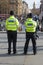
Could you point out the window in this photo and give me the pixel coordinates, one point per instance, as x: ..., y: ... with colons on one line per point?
x: 12, y: 1
x: 0, y: 9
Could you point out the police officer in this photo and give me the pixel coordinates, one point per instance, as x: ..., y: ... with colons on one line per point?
x: 30, y: 26
x: 12, y: 25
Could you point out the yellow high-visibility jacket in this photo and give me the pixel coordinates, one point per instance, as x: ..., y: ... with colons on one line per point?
x: 30, y: 25
x: 12, y: 23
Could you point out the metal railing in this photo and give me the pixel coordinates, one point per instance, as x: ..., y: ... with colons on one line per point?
x: 20, y: 36
x: 3, y: 37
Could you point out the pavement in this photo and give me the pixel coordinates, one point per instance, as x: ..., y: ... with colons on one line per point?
x: 19, y: 58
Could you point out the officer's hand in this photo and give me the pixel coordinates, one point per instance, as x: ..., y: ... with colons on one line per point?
x: 19, y: 29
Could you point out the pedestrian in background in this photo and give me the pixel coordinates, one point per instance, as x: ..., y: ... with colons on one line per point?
x: 42, y: 24
x: 12, y: 25
x: 37, y: 28
x: 30, y: 26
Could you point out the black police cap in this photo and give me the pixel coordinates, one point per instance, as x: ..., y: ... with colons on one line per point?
x: 11, y: 12
x: 29, y: 15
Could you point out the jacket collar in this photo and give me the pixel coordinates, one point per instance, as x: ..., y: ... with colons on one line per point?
x: 29, y: 18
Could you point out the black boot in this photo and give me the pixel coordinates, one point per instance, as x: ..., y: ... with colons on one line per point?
x: 34, y: 51
x: 9, y: 52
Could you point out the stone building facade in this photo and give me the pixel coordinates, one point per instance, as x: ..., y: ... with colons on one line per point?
x: 18, y: 6
x: 4, y: 7
x: 25, y: 8
x: 41, y: 10
x: 7, y: 5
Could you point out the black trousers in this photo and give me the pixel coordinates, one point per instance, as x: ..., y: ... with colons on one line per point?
x: 12, y: 37
x: 28, y: 37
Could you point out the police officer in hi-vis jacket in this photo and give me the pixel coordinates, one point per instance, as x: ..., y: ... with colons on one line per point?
x: 12, y: 25
x: 30, y: 28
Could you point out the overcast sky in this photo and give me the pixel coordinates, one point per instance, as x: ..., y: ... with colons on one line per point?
x: 30, y: 3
